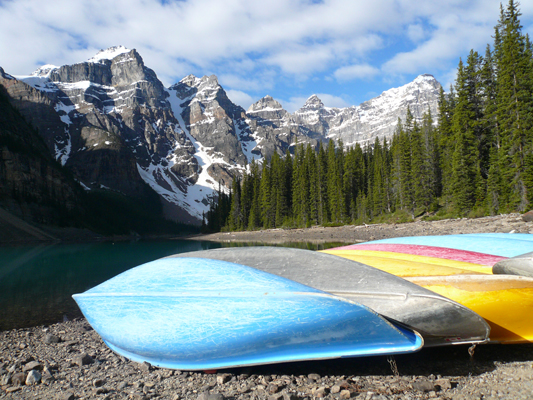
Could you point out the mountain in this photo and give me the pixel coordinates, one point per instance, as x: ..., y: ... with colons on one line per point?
x: 113, y: 124
x: 356, y: 124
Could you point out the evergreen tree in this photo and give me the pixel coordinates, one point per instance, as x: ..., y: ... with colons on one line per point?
x: 465, y: 159
x: 267, y: 213
x: 514, y: 107
x: 445, y: 144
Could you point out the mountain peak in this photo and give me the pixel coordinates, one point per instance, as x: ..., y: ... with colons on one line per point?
x: 45, y: 70
x: 267, y: 103
x: 313, y: 103
x: 108, y: 54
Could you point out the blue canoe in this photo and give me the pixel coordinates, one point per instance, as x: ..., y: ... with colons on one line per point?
x: 498, y: 244
x: 199, y: 314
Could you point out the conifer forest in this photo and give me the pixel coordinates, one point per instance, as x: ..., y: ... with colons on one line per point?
x: 474, y: 158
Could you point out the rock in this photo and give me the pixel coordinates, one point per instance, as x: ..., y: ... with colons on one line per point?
x: 443, y: 384
x: 289, y: 396
x: 145, y: 367
x: 345, y: 394
x: 82, y: 359
x: 13, y: 389
x: 335, y: 389
x: 98, y: 382
x: 47, y: 377
x: 100, y: 390
x: 32, y: 365
x: 6, y: 379
x: 207, y: 396
x: 423, y: 385
x: 33, y: 378
x: 321, y: 392
x: 314, y: 377
x: 223, y: 378
x: 68, y: 396
x: 51, y: 339
x: 18, y: 378
x: 528, y: 217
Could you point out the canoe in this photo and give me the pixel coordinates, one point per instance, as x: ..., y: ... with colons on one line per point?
x: 499, y: 244
x: 439, y: 320
x: 519, y: 265
x: 504, y: 301
x: 428, y: 251
x: 199, y: 314
x: 406, y: 265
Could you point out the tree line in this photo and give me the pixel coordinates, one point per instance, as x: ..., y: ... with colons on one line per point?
x: 475, y: 158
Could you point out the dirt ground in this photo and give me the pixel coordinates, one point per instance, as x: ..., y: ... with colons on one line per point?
x: 362, y: 233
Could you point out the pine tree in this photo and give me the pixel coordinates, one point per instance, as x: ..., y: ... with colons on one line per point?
x: 445, y: 144
x: 322, y: 177
x: 465, y: 158
x: 267, y: 214
x: 514, y: 107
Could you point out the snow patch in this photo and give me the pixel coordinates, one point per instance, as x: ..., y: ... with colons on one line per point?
x: 108, y: 54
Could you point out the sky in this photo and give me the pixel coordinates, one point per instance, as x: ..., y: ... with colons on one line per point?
x: 345, y: 51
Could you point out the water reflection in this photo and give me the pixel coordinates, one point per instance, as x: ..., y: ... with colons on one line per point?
x: 37, y: 282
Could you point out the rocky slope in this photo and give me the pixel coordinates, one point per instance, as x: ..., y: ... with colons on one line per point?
x: 112, y: 123
x: 32, y: 184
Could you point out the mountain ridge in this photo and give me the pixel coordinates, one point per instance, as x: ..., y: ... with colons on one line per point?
x: 112, y: 122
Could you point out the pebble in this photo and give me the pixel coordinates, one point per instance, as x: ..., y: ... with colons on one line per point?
x: 80, y: 366
x: 33, y: 378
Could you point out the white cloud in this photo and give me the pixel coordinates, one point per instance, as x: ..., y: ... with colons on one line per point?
x: 252, y: 45
x: 240, y: 98
x: 294, y: 103
x: 257, y: 82
x: 416, y: 32
x: 333, y: 101
x: 359, y: 71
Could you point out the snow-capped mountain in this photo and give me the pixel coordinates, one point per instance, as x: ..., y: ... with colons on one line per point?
x: 356, y: 124
x: 115, y: 126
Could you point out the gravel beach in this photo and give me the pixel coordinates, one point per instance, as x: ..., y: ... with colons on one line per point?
x: 68, y: 360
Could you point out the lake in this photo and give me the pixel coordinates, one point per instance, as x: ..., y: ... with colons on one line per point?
x: 37, y: 282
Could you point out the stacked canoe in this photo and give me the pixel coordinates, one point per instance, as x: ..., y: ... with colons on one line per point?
x: 244, y: 306
x: 491, y: 274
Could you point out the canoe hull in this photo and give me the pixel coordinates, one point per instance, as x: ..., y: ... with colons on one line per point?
x: 520, y: 265
x: 405, y: 265
x: 202, y: 314
x: 499, y: 244
x: 439, y: 320
x: 505, y: 302
x: 428, y: 251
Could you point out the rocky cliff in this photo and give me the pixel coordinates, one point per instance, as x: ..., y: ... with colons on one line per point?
x: 32, y: 184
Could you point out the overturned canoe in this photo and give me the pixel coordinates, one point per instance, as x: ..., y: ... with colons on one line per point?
x: 407, y: 265
x: 440, y: 320
x: 519, y: 265
x: 428, y: 251
x: 199, y: 314
x: 499, y: 244
x: 504, y: 301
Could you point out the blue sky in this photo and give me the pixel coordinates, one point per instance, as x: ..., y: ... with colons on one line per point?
x: 346, y: 51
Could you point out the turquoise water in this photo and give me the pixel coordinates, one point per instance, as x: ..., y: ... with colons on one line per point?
x: 37, y: 282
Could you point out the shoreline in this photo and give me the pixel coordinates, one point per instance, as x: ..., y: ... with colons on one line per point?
x: 362, y: 233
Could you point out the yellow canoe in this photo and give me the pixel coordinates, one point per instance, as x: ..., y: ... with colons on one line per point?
x: 406, y: 265
x: 504, y: 301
